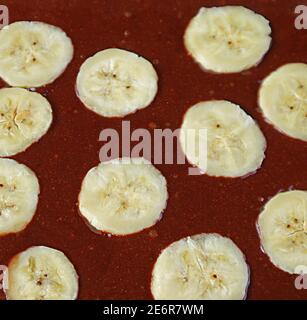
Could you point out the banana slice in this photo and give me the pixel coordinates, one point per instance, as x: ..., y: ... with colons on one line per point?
x: 282, y: 227
x: 123, y: 196
x: 283, y: 99
x: 235, y: 145
x: 201, y: 267
x: 33, y: 54
x: 114, y: 83
x: 41, y: 273
x: 227, y: 39
x: 19, y: 190
x: 24, y: 118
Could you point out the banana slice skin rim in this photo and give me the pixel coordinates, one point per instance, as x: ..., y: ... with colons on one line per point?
x: 116, y: 82
x: 282, y: 229
x: 41, y: 262
x: 282, y: 98
x: 34, y: 53
x: 227, y: 39
x: 235, y: 145
x: 25, y: 117
x: 199, y: 268
x: 19, y: 193
x: 123, y: 196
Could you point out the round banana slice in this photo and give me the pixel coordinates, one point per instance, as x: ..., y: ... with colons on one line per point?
x: 33, y: 54
x: 283, y: 99
x: 24, y: 118
x: 227, y: 39
x: 123, y: 196
x: 114, y: 83
x: 41, y: 273
x: 222, y: 132
x: 19, y: 190
x: 282, y: 227
x: 201, y: 267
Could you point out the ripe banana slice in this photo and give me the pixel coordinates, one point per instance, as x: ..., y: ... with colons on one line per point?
x: 114, y: 83
x: 235, y: 145
x: 201, y: 267
x: 283, y: 99
x: 41, y: 273
x: 33, y: 54
x: 227, y: 39
x: 24, y: 118
x: 282, y: 227
x: 19, y: 190
x: 123, y: 196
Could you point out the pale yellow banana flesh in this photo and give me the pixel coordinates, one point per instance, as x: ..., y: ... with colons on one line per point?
x: 19, y: 190
x: 234, y: 143
x: 115, y: 82
x: 201, y: 267
x: 41, y: 273
x: 227, y: 39
x: 282, y: 228
x: 283, y: 99
x: 121, y: 198
x: 25, y: 117
x: 33, y: 54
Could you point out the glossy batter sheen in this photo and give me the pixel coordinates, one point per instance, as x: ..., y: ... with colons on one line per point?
x: 120, y: 267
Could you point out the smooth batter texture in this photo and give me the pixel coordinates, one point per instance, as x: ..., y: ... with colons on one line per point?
x: 120, y: 267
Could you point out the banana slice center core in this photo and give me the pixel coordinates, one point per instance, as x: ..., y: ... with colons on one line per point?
x: 122, y: 193
x: 200, y: 266
x: 27, y: 52
x: 12, y: 115
x: 231, y: 36
x: 7, y: 199
x: 297, y: 100
x: 41, y: 278
x: 108, y: 82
